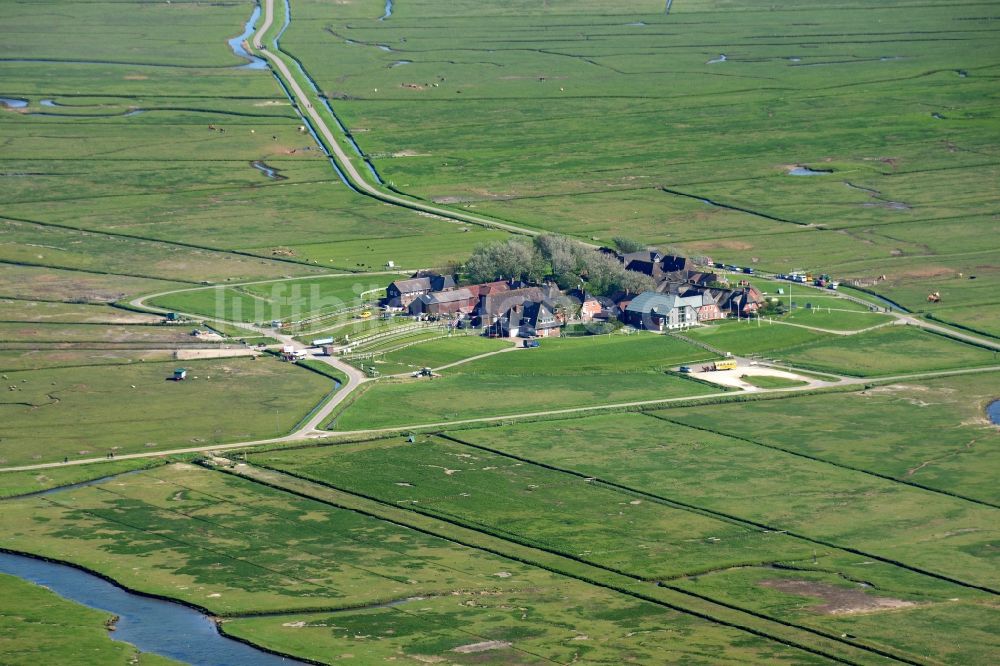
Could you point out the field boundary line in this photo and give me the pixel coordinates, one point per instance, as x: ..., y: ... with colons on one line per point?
x: 456, y: 524
x: 824, y: 461
x: 723, y: 515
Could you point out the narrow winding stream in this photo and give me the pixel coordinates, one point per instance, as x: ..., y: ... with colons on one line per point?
x: 236, y: 43
x: 388, y: 11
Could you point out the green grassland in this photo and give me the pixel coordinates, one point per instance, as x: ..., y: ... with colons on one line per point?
x: 433, y: 247
x: 91, y: 411
x: 223, y: 543
x: 155, y: 335
x: 54, y: 284
x: 771, y: 382
x: 283, y: 299
x: 349, y: 326
x: 547, y: 509
x: 884, y: 429
x: 839, y: 507
x: 38, y: 626
x: 538, y: 505
x: 458, y: 396
x: 752, y: 337
x: 915, y: 628
x: 548, y: 625
x: 34, y: 244
x: 437, y: 352
x: 13, y: 484
x: 36, y: 358
x: 887, y: 351
x: 131, y: 172
x: 561, y: 373
x: 835, y: 320
x: 621, y: 105
x: 79, y: 313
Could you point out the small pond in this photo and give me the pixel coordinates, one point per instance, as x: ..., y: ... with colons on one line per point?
x: 806, y: 171
x: 993, y: 412
x: 152, y: 625
x: 13, y: 102
x: 721, y: 58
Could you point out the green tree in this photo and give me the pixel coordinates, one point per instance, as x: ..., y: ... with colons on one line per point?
x: 627, y: 245
x: 513, y: 259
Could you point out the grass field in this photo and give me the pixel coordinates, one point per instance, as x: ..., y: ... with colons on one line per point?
x: 436, y: 352
x: 133, y: 334
x: 561, y: 373
x: 284, y: 300
x: 882, y: 429
x: 52, y: 313
x: 752, y: 337
x: 345, y: 560
x: 907, y: 141
x: 835, y: 320
x: 89, y: 412
x: 238, y: 562
x: 887, y: 351
x: 546, y: 625
x: 52, y: 284
x: 769, y: 382
x: 147, y: 160
x: 819, y: 598
x: 810, y: 498
x: 545, y: 508
x: 550, y: 509
x: 40, y: 627
x: 36, y: 359
x: 13, y: 484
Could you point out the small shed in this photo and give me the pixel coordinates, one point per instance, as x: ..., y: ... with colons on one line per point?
x: 180, y: 374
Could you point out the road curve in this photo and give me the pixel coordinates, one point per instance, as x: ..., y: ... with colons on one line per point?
x: 354, y: 376
x: 347, y: 166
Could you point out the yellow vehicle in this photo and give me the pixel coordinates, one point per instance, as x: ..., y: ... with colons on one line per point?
x: 366, y: 314
x: 728, y: 364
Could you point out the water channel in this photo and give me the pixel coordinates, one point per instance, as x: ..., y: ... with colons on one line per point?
x: 388, y: 11
x: 236, y: 43
x: 153, y: 625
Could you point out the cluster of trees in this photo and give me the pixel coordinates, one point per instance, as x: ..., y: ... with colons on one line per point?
x: 569, y: 263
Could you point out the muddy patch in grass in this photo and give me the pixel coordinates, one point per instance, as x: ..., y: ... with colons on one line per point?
x: 482, y: 647
x: 836, y: 600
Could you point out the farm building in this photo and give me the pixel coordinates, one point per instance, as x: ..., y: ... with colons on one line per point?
x: 445, y: 303
x: 460, y: 301
x: 401, y: 293
x: 590, y: 309
x: 528, y: 320
x: 660, y: 312
x: 743, y: 302
x: 646, y: 262
x: 492, y: 306
x: 676, y: 269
